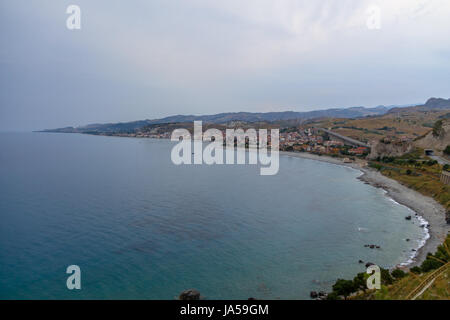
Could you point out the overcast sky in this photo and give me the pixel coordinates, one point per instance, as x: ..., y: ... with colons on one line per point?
x: 145, y: 59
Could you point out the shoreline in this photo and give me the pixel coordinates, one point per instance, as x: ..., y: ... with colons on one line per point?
x: 424, y: 207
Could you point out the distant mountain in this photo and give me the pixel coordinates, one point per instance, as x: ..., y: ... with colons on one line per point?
x: 431, y: 104
x: 438, y: 103
x: 129, y: 127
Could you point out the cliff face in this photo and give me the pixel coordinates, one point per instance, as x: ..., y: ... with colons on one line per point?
x: 437, y: 140
x: 381, y: 149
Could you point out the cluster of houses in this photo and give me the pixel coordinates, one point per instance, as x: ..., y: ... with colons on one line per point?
x: 163, y: 135
x: 310, y: 140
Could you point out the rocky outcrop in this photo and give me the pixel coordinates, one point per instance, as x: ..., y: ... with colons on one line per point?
x: 190, y: 294
x: 437, y: 140
x: 321, y: 295
x: 387, y: 148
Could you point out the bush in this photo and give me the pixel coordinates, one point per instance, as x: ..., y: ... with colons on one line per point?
x: 431, y: 162
x: 416, y: 270
x: 386, y: 278
x: 333, y: 296
x: 446, y: 167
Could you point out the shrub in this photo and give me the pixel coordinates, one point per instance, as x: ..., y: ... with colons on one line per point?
x: 333, y: 296
x: 431, y: 162
x: 387, y: 159
x: 375, y: 166
x: 386, y: 278
x: 415, y: 270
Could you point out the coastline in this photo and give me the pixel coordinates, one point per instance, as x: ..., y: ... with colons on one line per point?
x: 425, y: 207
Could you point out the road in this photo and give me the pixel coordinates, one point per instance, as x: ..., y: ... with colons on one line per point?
x: 425, y: 284
x: 346, y: 139
x: 440, y: 160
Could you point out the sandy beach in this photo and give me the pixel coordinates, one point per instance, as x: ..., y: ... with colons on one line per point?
x: 426, y: 207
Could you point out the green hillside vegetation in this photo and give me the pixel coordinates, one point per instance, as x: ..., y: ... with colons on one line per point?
x: 411, y: 123
x: 416, y: 172
x: 398, y: 284
x: 404, y: 283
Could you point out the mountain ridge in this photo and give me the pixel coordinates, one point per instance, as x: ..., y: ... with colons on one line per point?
x: 220, y: 118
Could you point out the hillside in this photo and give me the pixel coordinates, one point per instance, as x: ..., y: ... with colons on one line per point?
x: 430, y: 282
x: 438, y: 138
x: 408, y: 123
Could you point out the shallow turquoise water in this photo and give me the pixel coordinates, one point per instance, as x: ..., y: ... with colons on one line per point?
x: 140, y: 227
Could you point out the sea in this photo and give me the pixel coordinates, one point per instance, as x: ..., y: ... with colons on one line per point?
x: 140, y: 227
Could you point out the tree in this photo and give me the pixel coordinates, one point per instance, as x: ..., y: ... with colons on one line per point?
x: 344, y: 287
x: 447, y: 150
x: 398, y: 274
x: 430, y: 264
x: 360, y: 281
x: 437, y: 128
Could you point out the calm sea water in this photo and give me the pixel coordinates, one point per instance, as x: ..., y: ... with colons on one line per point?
x: 140, y: 227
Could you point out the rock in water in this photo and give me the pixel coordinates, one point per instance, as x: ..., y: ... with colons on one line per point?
x: 314, y: 294
x: 190, y: 294
x: 447, y: 217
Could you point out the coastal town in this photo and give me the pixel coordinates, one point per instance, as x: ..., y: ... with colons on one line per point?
x: 296, y: 139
